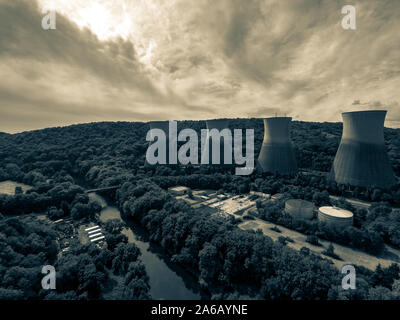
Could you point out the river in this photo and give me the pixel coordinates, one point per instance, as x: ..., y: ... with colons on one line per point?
x: 167, y: 281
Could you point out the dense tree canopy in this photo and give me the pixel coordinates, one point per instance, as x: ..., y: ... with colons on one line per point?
x: 57, y: 162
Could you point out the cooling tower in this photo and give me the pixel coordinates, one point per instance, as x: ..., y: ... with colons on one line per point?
x: 206, y: 152
x: 361, y: 159
x: 163, y: 125
x: 277, y: 154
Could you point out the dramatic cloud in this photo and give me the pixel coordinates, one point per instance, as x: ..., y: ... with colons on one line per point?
x: 154, y: 60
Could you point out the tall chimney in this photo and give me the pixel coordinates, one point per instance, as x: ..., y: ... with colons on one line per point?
x: 361, y: 159
x: 277, y: 154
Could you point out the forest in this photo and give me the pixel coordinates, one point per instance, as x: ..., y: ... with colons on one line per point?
x: 86, y: 272
x: 226, y: 261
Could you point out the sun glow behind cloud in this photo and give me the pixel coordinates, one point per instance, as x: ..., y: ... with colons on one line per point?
x: 111, y: 19
x: 106, y: 19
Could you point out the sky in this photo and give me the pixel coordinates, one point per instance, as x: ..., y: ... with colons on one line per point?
x: 144, y: 60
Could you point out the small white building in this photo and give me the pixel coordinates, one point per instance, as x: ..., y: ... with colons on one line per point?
x: 179, y: 190
x: 260, y: 194
x: 97, y: 239
x: 91, y: 228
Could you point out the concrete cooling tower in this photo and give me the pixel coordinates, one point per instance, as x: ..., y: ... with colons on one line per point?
x: 218, y: 124
x: 163, y: 125
x: 361, y: 159
x: 277, y: 154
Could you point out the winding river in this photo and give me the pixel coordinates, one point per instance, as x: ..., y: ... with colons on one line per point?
x: 167, y: 281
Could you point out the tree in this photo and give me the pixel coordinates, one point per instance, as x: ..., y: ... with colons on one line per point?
x: 380, y: 293
x: 313, y: 239
x: 208, y: 263
x: 331, y: 250
x: 282, y: 240
x: 18, y: 190
x: 54, y: 213
x: 305, y: 251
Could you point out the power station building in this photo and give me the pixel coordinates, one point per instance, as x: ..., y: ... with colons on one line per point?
x: 361, y: 159
x: 336, y: 217
x: 277, y: 154
x: 299, y: 209
x: 207, y: 150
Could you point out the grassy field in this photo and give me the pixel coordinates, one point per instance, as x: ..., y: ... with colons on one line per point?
x: 8, y: 187
x: 347, y: 255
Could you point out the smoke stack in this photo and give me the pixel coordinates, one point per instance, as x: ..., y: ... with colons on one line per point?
x: 361, y: 159
x: 277, y: 154
x: 218, y: 124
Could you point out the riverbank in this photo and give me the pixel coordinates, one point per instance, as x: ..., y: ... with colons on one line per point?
x: 167, y: 280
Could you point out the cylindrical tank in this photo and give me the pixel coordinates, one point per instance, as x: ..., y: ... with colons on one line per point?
x: 336, y: 217
x: 361, y: 159
x: 277, y: 154
x: 206, y: 152
x: 299, y: 209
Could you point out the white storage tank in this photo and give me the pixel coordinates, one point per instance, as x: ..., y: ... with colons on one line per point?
x: 335, y: 216
x: 299, y: 209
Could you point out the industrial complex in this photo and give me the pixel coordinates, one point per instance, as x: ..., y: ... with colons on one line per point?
x: 241, y: 205
x: 361, y: 159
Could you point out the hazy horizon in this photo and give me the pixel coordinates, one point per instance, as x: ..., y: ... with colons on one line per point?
x: 387, y: 124
x: 152, y: 60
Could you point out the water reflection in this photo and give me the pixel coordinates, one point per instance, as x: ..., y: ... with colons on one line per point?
x: 167, y: 281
